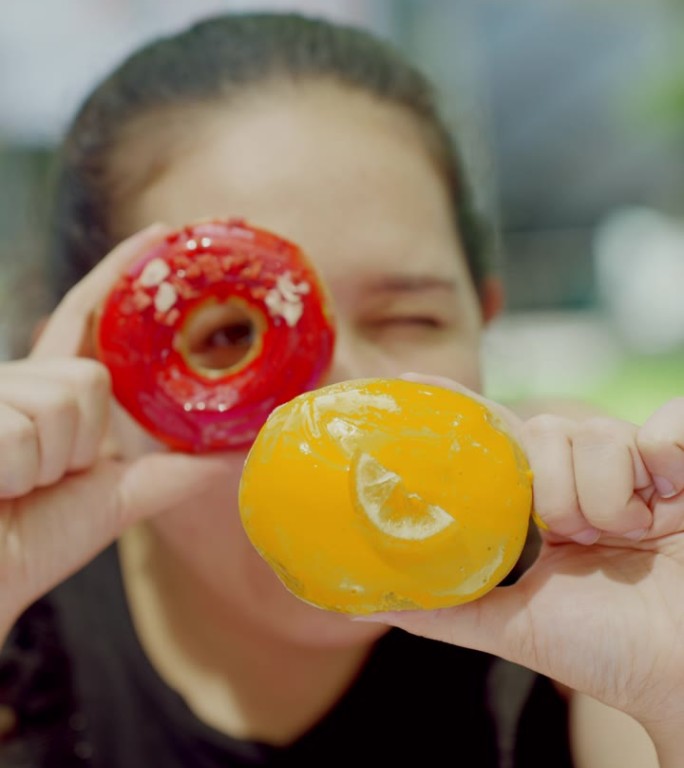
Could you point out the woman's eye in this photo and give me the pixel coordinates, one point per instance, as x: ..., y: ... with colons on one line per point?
x: 234, y: 335
x: 405, y: 329
x: 409, y: 321
x: 224, y: 347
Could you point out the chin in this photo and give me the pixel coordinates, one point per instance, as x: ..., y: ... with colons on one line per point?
x: 281, y: 613
x: 317, y: 628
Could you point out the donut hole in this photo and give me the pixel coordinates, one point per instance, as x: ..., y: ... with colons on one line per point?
x: 218, y: 336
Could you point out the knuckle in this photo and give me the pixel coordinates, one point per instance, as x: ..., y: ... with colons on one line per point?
x: 62, y: 406
x: 650, y: 443
x: 556, y: 511
x: 18, y: 446
x: 543, y: 426
x: 602, y: 429
x: 600, y: 425
x: 15, y: 488
x: 97, y: 381
x: 102, y: 381
x: 89, y: 374
x: 16, y: 437
x: 553, y: 506
x: 50, y: 477
x: 606, y: 520
x: 666, y: 426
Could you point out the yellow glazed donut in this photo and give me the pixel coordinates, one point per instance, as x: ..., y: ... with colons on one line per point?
x: 385, y: 494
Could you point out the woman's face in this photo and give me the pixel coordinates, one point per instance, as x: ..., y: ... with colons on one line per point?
x: 350, y: 180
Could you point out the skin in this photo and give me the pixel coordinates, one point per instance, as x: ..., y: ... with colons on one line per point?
x: 396, y: 272
x: 402, y: 298
x: 351, y: 181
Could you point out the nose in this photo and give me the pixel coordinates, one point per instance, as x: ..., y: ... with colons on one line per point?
x: 356, y: 358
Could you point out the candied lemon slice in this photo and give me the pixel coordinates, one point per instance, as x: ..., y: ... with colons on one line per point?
x: 393, y: 509
x: 383, y: 494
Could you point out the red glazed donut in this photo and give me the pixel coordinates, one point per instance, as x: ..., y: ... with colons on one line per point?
x: 213, y: 329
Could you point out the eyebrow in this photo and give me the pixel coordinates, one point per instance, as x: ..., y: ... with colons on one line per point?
x: 411, y: 284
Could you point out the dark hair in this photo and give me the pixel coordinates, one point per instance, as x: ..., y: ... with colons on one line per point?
x: 216, y: 60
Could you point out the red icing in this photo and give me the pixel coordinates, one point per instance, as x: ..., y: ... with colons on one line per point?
x: 152, y: 379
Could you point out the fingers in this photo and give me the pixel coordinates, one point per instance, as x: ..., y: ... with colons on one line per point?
x: 609, y: 474
x: 661, y: 444
x: 587, y: 478
x: 46, y: 441
x: 53, y: 406
x: 20, y: 465
x: 66, y: 331
x: 548, y: 444
x: 53, y: 416
x: 158, y: 482
x: 48, y: 534
x: 587, y: 474
x: 600, y: 477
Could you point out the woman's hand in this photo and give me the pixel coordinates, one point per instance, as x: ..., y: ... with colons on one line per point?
x: 64, y: 493
x: 602, y: 608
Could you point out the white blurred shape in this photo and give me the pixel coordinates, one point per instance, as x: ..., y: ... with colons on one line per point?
x: 52, y: 53
x: 542, y: 354
x: 639, y: 260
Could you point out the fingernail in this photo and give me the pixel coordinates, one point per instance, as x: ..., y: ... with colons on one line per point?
x: 636, y: 535
x: 587, y: 536
x: 665, y: 488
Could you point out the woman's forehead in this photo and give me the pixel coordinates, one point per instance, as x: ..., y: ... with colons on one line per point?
x: 349, y: 178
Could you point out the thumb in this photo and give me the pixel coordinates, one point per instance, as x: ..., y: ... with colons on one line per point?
x: 159, y: 481
x: 497, y: 623
x: 58, y: 529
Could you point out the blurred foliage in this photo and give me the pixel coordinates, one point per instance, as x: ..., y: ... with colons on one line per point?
x: 641, y: 385
x: 660, y: 96
x: 662, y: 101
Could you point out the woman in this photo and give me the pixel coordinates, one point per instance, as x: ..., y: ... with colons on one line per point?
x: 177, y: 645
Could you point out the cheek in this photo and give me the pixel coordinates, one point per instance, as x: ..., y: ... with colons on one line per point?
x: 461, y: 363
x: 459, y: 360
x: 360, y: 353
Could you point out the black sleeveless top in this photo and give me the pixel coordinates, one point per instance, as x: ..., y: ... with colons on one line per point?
x: 76, y: 690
